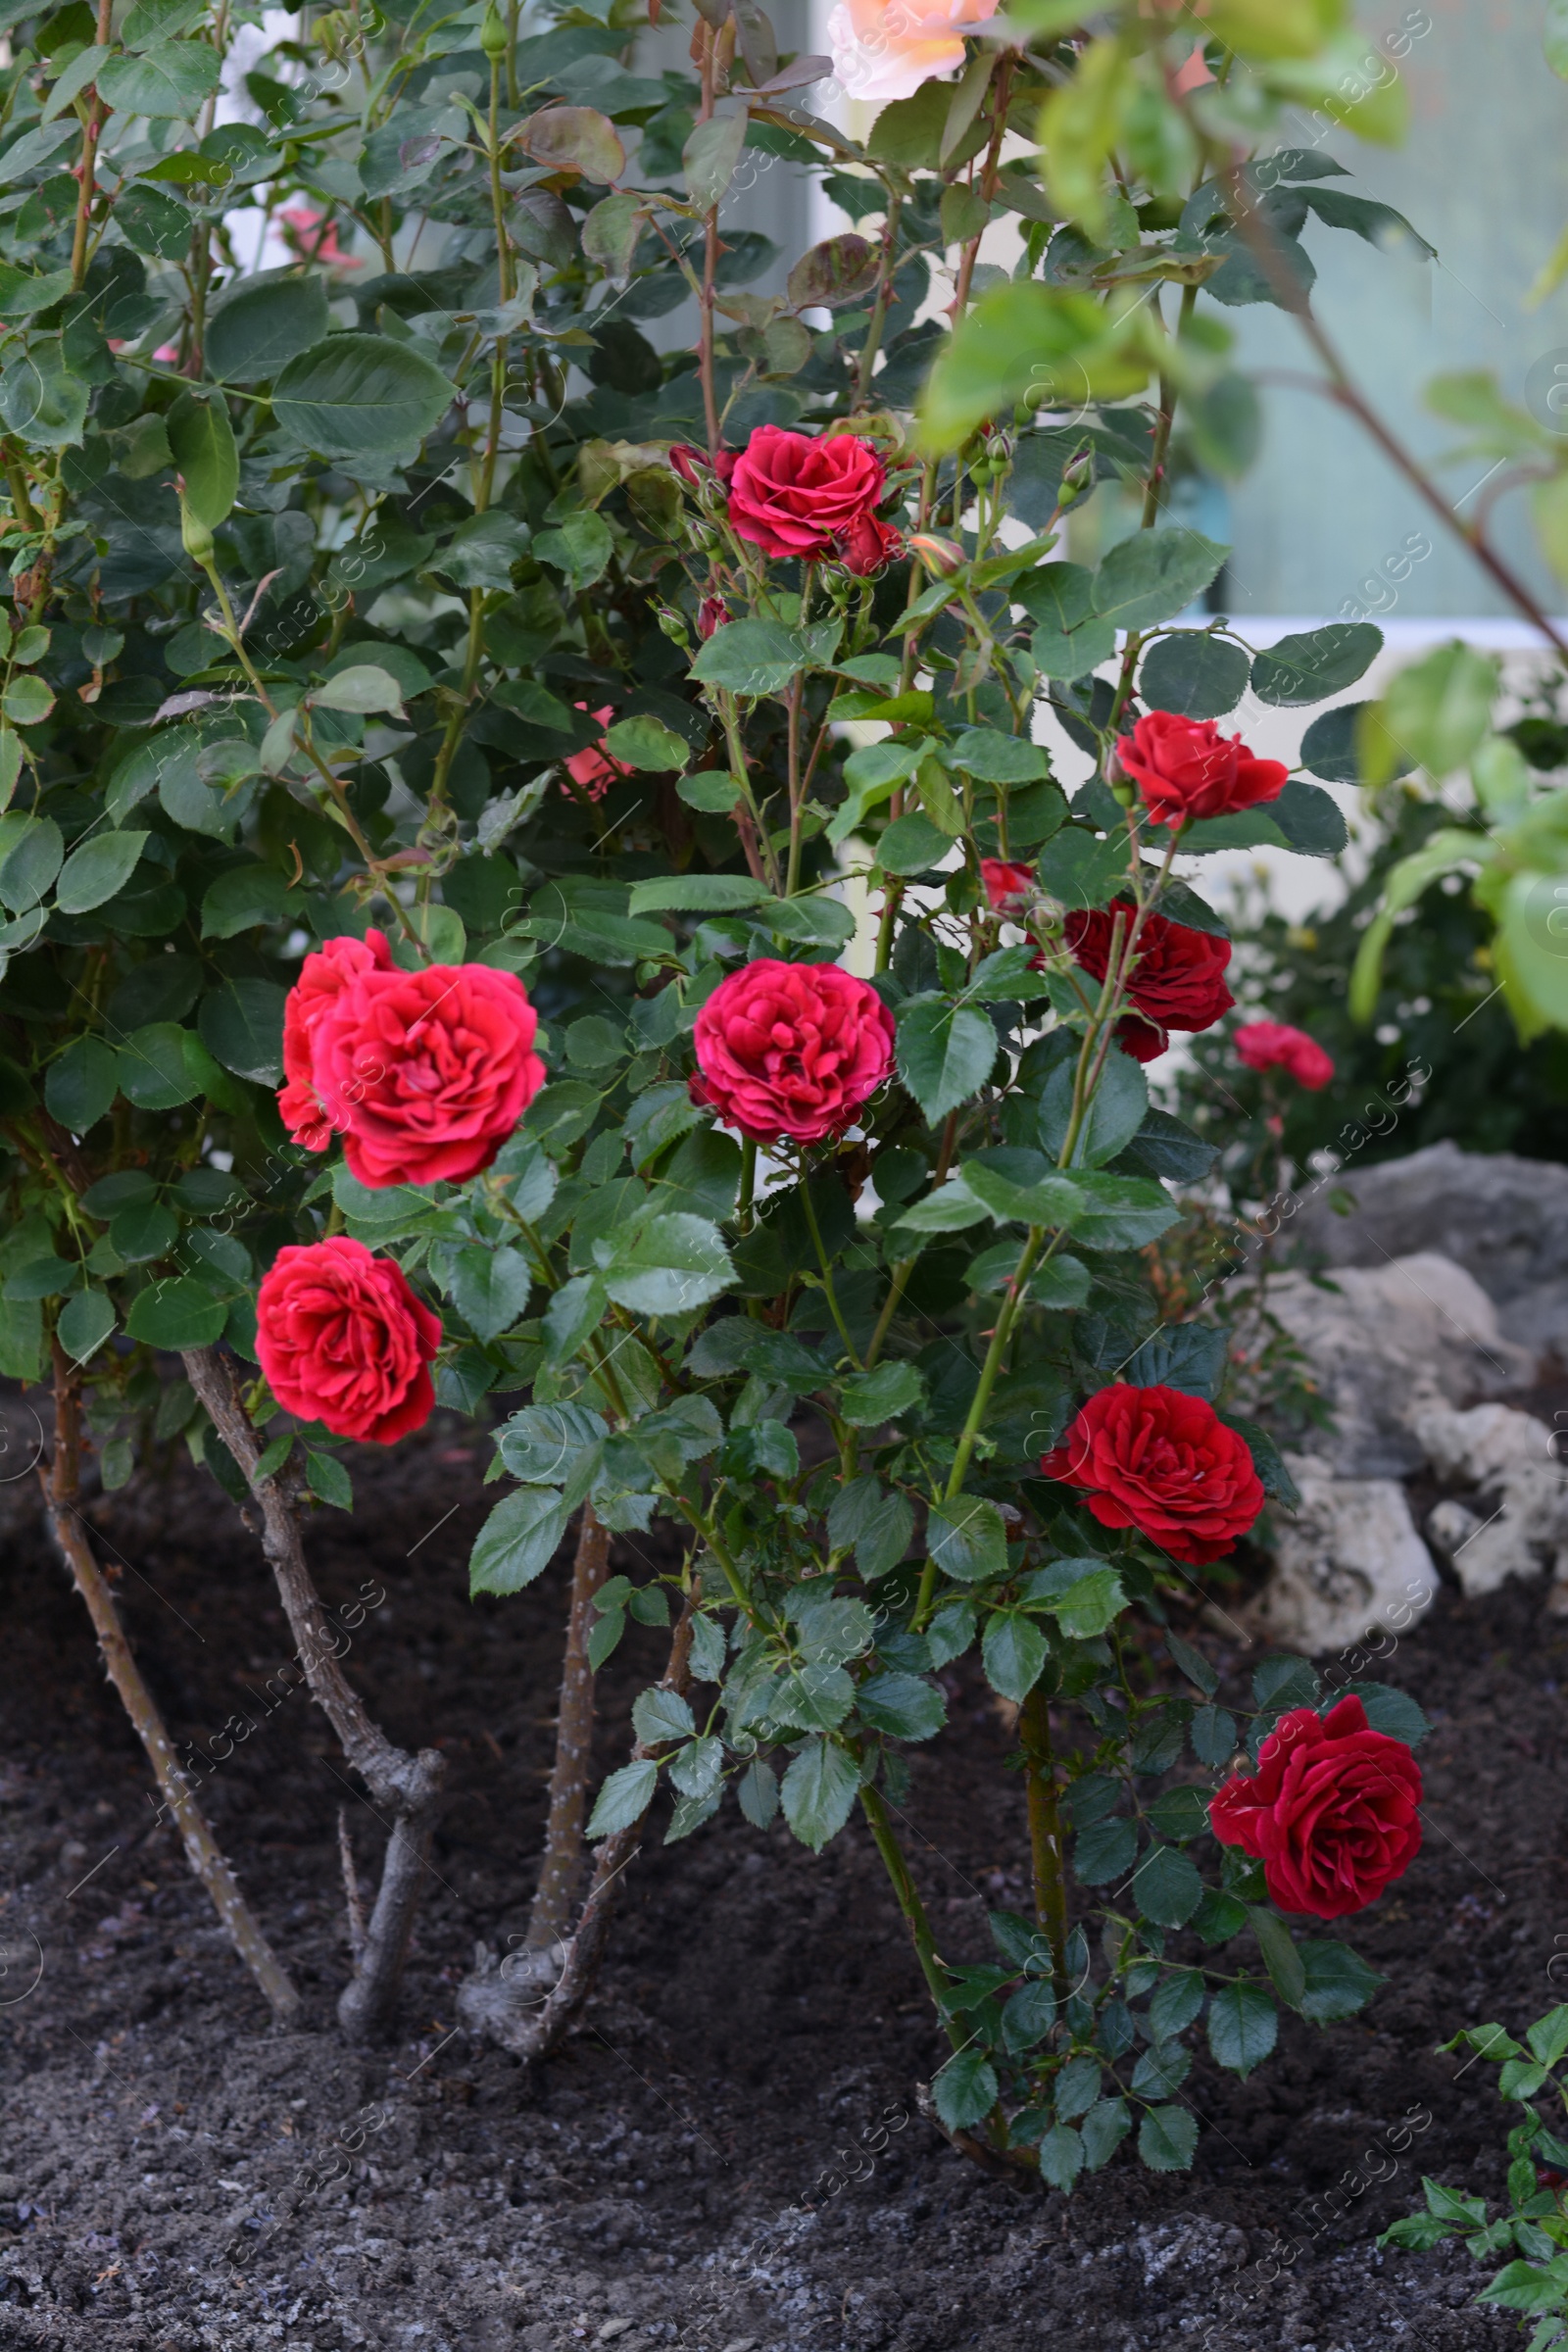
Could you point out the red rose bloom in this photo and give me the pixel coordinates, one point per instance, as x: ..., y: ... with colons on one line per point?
x: 433, y: 1070
x: 1004, y: 884
x: 796, y: 494
x: 1332, y: 1811
x: 344, y: 1340
x: 321, y: 976
x: 1164, y: 1464
x: 791, y: 1049
x: 595, y: 769
x: 1276, y: 1046
x: 1186, y: 768
x: 1177, y: 981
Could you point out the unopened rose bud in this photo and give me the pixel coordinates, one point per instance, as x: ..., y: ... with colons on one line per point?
x: 1077, y: 477
x: 943, y: 557
x: 673, y: 624
x: 711, y: 613
x: 493, y: 34
x: 195, y: 537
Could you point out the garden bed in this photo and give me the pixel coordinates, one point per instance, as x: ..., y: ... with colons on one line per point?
x: 674, y: 2176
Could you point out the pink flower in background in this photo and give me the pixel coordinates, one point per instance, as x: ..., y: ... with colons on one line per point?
x: 313, y: 242
x: 594, y: 770
x: 884, y: 49
x: 1276, y: 1046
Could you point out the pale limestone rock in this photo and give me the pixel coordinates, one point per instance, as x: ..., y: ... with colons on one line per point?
x: 1523, y: 1530
x: 1347, y: 1562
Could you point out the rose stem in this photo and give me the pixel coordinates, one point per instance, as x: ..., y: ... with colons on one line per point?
x: 409, y: 1787
x: 62, y: 1487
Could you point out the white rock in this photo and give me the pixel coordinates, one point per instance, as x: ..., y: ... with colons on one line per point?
x: 1524, y: 1528
x: 1349, y: 1562
x: 1383, y: 1338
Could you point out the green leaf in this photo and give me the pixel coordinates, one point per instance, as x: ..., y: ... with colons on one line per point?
x: 579, y: 547
x: 1243, y: 2026
x: 1106, y: 1851
x: 1124, y: 1212
x: 1103, y: 2131
x: 517, y: 1542
x: 30, y: 852
x: 964, y: 2090
x: 945, y: 1054
x: 624, y: 1799
x: 709, y: 157
x: 1338, y: 1982
x: 202, y: 441
x: 178, y: 1315
x: 490, y: 1289
x: 1313, y: 663
x: 365, y: 688
x: 24, y: 293
x: 358, y: 395
x: 1153, y: 576
x: 1089, y: 1607
x: 1168, y: 2138
x: 1194, y: 674
x: 1281, y: 1957
x: 39, y: 396
x: 877, y: 1524
x: 868, y: 1398
x: 644, y: 742
x: 1393, y: 1712
x: 1052, y: 1201
x: 242, y: 1027
x: 264, y: 321
x: 85, y: 1322
x: 1014, y: 1651
x: 80, y: 1083
x: 328, y: 1478
x: 819, y: 1792
x: 1176, y: 2003
x: 1434, y: 716
x: 901, y: 1705
x: 97, y: 870
x: 162, y: 1065
x: 1063, y: 2156
x: 242, y: 897
x: 1117, y: 1109
x: 174, y: 80
x: 757, y: 657
x: 697, y: 894
x: 1166, y: 1887
x: 659, y: 1716
x: 669, y: 1266
x: 993, y: 757
x: 27, y: 701
x: 1025, y: 341
x: 1529, y: 2287
x: 967, y: 1539
x: 1554, y: 37
x: 577, y: 138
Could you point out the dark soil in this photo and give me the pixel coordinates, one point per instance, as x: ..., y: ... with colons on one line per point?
x: 168, y: 2161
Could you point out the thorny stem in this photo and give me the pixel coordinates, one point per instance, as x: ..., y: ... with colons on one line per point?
x: 705, y: 327
x: 914, y: 1912
x: 882, y: 300
x: 551, y: 1912
x: 1044, y: 1832
x: 1153, y: 500
x: 91, y: 131
x: 61, y: 1489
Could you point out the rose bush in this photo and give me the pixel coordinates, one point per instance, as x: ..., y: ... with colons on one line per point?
x: 532, y: 873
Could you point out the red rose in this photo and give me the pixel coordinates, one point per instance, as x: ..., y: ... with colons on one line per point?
x: 1186, y: 768
x: 1145, y: 1040
x: 796, y: 494
x: 433, y: 1070
x: 344, y: 1340
x: 1178, y: 979
x: 791, y: 1049
x: 1276, y: 1046
x: 711, y: 613
x: 1332, y: 1811
x: 321, y: 976
x: 1006, y: 884
x: 1164, y: 1464
x: 595, y: 769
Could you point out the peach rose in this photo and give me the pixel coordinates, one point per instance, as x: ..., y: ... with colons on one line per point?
x: 884, y: 49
